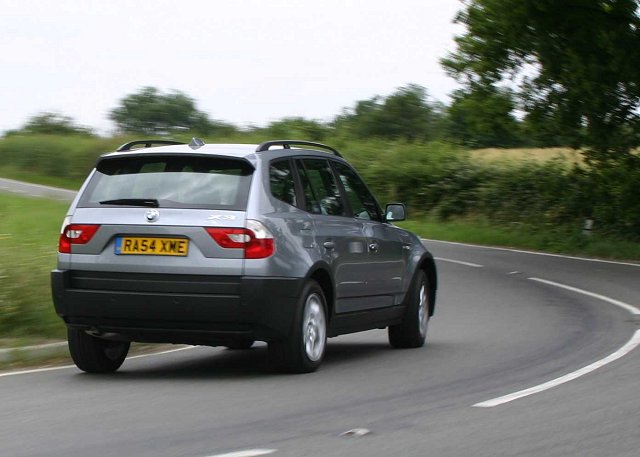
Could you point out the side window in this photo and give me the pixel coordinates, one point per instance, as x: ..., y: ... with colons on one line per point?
x: 363, y: 204
x: 320, y: 188
x: 312, y: 204
x: 282, y: 183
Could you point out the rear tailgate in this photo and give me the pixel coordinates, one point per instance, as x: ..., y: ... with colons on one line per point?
x: 175, y: 242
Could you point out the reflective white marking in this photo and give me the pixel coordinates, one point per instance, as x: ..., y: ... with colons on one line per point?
x: 160, y: 353
x: 247, y: 453
x: 37, y: 370
x: 624, y: 350
x: 631, y: 309
x: 586, y: 259
x: 460, y: 262
x: 357, y: 432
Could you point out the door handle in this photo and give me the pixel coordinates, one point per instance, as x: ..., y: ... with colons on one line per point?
x: 329, y: 245
x: 373, y: 247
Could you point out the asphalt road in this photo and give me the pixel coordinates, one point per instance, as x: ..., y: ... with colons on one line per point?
x: 35, y: 190
x: 495, y: 332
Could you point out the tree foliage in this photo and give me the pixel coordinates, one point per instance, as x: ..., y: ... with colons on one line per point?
x: 296, y: 128
x: 482, y: 118
x: 405, y: 114
x: 575, y: 62
x: 151, y: 112
x: 51, y: 124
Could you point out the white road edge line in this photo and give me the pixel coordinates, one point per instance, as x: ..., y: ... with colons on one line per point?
x: 460, y: 262
x: 625, y: 306
x: 160, y: 353
x: 547, y: 254
x: 624, y: 350
x: 247, y: 453
x: 64, y: 367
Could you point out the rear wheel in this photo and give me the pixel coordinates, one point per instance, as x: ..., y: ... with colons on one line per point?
x: 412, y: 331
x: 96, y: 355
x: 303, y: 350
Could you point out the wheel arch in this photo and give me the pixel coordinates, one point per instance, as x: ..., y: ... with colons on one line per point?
x: 428, y: 265
x: 321, y: 273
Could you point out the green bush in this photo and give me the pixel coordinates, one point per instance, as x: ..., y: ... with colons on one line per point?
x: 54, y: 155
x: 436, y: 178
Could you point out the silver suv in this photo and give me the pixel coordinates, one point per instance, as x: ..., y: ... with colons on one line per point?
x: 226, y: 244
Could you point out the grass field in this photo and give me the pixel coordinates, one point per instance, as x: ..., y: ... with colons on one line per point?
x: 29, y: 230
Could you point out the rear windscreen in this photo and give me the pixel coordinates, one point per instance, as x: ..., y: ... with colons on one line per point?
x: 171, y: 181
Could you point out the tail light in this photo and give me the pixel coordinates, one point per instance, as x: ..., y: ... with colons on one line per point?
x: 256, y: 241
x: 75, y: 234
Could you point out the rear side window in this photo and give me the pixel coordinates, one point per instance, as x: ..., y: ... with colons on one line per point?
x: 282, y: 183
x: 174, y: 181
x: 320, y: 188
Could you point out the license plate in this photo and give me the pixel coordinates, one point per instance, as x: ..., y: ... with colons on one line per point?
x: 151, y: 246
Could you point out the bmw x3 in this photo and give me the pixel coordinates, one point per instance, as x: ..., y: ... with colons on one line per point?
x: 225, y: 245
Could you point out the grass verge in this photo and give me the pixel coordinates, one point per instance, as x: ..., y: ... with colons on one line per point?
x: 59, y: 356
x: 560, y: 240
x: 29, y: 230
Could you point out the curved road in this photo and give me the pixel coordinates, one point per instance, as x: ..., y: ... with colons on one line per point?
x: 496, y: 332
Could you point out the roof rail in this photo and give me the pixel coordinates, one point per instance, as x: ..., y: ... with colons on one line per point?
x: 286, y: 144
x: 147, y: 144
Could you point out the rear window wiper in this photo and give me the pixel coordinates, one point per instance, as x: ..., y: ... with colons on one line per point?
x: 150, y: 202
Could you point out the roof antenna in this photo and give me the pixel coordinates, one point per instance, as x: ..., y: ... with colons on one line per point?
x: 196, y: 143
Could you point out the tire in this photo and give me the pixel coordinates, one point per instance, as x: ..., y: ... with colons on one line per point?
x: 95, y: 355
x: 303, y: 350
x: 240, y: 345
x: 412, y: 331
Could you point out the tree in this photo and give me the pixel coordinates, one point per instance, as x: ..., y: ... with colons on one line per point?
x: 151, y: 112
x: 51, y: 124
x: 405, y: 114
x: 296, y: 128
x: 576, y: 62
x: 482, y: 118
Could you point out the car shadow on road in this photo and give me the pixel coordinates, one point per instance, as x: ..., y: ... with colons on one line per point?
x: 218, y: 363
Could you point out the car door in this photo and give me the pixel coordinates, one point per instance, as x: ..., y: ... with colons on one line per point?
x: 387, y: 251
x: 340, y: 238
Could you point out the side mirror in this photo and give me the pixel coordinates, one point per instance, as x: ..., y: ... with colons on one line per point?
x: 395, y: 212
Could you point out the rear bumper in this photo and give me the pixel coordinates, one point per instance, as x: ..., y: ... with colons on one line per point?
x: 176, y: 308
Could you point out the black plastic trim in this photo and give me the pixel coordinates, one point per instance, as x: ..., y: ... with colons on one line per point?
x: 191, y: 309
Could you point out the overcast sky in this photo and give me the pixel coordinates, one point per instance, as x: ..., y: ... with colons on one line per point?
x: 243, y: 61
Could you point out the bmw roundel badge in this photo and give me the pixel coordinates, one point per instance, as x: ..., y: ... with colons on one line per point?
x: 152, y: 215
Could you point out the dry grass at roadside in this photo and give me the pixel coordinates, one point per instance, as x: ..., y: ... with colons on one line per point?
x: 519, y: 155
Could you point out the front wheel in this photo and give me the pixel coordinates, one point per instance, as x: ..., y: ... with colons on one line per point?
x: 412, y: 331
x: 303, y: 350
x: 96, y: 355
